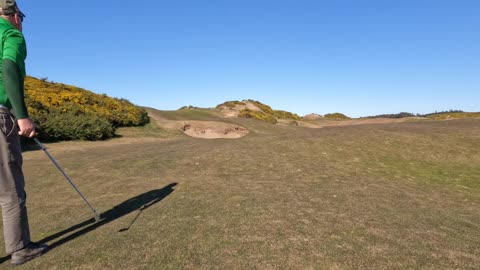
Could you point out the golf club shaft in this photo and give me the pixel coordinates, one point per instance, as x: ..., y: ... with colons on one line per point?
x: 66, y: 176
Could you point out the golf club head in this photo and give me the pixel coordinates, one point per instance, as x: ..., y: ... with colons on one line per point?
x: 97, y: 218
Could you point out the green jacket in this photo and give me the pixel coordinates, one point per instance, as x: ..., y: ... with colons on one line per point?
x: 13, y: 51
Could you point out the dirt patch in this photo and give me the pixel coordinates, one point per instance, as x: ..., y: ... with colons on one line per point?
x: 213, y: 130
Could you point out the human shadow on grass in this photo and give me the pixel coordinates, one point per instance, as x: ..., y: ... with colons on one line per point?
x: 140, y: 203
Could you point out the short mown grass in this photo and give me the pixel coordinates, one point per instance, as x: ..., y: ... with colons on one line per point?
x: 199, y: 114
x: 385, y: 196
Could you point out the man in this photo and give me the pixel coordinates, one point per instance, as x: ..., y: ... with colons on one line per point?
x: 12, y: 106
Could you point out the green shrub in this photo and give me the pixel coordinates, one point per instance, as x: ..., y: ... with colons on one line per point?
x: 336, y: 116
x: 69, y: 123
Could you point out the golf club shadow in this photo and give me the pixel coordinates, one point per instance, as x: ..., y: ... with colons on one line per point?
x: 4, y: 259
x: 140, y: 202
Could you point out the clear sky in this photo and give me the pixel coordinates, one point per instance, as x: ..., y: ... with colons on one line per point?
x: 358, y: 57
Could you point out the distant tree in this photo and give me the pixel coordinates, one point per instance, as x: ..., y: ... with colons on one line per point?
x: 392, y: 116
x: 442, y: 112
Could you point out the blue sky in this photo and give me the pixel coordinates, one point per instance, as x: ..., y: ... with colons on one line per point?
x: 357, y: 57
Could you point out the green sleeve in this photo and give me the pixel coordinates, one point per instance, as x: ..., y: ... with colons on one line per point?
x: 12, y: 79
x: 15, y: 48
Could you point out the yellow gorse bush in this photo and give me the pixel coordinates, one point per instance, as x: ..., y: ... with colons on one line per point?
x: 47, y: 100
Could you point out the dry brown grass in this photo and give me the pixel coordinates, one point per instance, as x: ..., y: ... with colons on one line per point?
x: 386, y: 196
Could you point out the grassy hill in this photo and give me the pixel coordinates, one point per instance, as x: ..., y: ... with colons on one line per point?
x: 65, y: 112
x: 257, y: 110
x: 453, y: 115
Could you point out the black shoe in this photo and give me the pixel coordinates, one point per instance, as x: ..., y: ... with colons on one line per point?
x: 32, y: 251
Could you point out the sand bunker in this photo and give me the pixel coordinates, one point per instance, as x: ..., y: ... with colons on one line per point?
x: 213, y: 130
x: 203, y: 129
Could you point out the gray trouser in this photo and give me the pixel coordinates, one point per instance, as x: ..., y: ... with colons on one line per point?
x: 12, y: 185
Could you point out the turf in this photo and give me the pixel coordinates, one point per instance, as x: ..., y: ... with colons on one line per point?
x: 385, y: 196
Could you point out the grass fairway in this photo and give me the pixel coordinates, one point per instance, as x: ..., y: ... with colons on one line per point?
x: 386, y: 196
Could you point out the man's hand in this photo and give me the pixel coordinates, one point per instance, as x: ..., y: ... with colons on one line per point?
x: 27, y: 129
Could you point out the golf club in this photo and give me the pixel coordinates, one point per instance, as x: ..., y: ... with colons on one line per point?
x: 97, y: 216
